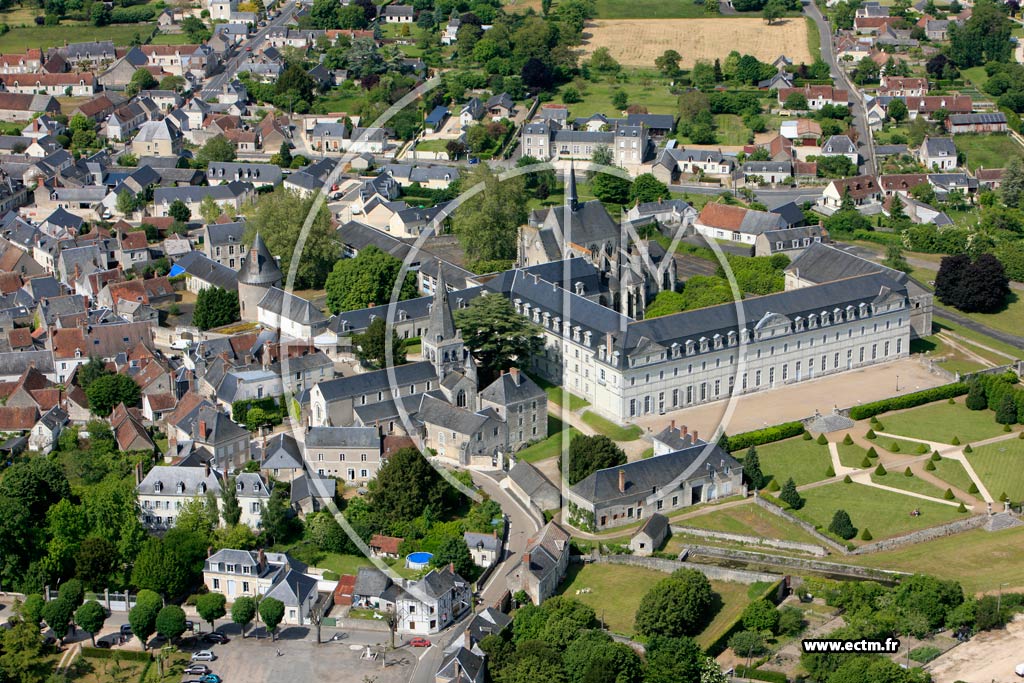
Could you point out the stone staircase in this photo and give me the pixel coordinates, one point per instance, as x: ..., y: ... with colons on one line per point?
x: 1002, y: 520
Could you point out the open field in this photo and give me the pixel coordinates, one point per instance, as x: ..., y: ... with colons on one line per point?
x: 648, y: 9
x: 804, y: 461
x: 20, y: 39
x: 1010, y: 319
x: 638, y: 42
x: 883, y: 512
x: 852, y: 455
x: 941, y: 421
x: 643, y: 87
x: 617, y: 607
x: 980, y: 560
x: 749, y: 520
x: 991, y: 150
x: 976, y: 75
x: 521, y: 6
x: 1001, y: 468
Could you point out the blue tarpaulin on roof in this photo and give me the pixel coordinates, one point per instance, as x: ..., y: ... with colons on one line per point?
x: 175, y: 270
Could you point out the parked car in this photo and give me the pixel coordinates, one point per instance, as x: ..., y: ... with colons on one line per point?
x: 419, y: 642
x: 126, y: 630
x: 215, y: 637
x: 197, y: 670
x: 1019, y: 670
x: 189, y: 626
x: 203, y: 656
x: 104, y: 644
x: 210, y: 678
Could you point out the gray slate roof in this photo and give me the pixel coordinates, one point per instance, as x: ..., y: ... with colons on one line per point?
x: 342, y: 437
x: 197, y: 264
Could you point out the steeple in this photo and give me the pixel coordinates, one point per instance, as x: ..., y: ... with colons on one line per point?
x: 260, y: 268
x: 441, y: 325
x: 570, y: 193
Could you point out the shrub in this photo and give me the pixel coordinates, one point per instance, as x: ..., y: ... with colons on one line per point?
x: 847, y: 479
x: 842, y: 526
x: 925, y: 653
x: 822, y: 441
x: 830, y: 472
x: 930, y: 466
x: 894, y: 447
x: 873, y: 420
x: 922, y: 448
x: 866, y: 462
x: 968, y: 449
x: 1003, y: 497
x: 907, y: 473
x: 773, y: 485
x: 880, y: 470
x: 123, y: 655
x: 955, y: 441
x: 948, y: 495
x: 807, y: 436
x: 879, y: 426
x: 962, y: 508
x: 908, y: 400
x: 790, y: 496
x: 847, y: 440
x: 973, y: 488
x: 866, y: 535
x: 757, y: 437
x: 872, y: 453
x: 935, y: 456
x: 952, y: 401
x: 758, y: 675
x: 870, y: 434
x: 1006, y: 428
x: 1021, y: 435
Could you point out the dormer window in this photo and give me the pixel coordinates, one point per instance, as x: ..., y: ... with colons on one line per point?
x: 864, y: 310
x: 718, y: 341
x: 158, y: 487
x: 731, y: 338
x: 703, y: 344
x: 798, y: 323
x: 823, y: 319
x: 812, y: 321
x: 586, y: 337
x: 689, y: 347
x: 239, y: 486
x: 180, y: 487
x: 202, y: 487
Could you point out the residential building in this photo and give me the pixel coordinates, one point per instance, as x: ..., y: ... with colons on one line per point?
x: 650, y: 537
x: 938, y: 154
x: 349, y: 453
x: 543, y: 564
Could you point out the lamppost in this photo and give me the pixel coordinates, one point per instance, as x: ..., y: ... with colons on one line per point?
x: 897, y: 383
x: 999, y: 600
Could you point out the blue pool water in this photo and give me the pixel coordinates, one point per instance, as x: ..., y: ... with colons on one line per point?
x: 418, y: 560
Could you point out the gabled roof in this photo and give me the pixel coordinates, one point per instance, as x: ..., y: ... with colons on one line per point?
x: 282, y: 453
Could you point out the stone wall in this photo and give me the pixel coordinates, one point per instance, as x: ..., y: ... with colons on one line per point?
x: 796, y: 564
x: 710, y: 571
x: 809, y: 548
x: 806, y: 526
x: 929, y: 534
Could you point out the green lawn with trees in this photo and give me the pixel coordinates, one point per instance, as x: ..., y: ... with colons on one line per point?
x: 1001, y: 467
x: 941, y: 421
x: 749, y: 520
x: 990, y: 150
x: 803, y: 461
x: 953, y: 473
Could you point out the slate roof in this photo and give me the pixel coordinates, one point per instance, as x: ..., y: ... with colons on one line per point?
x: 291, y: 307
x: 261, y: 269
x: 739, y: 219
x: 655, y: 526
x: 342, y: 437
x: 506, y: 390
x: 821, y: 263
x: 196, y: 480
x: 293, y: 588
x: 370, y: 582
x: 197, y: 264
x: 979, y: 118
x: 282, y: 453
x: 437, y: 412
x: 530, y: 480
x: 934, y: 147
x: 377, y: 380
x: 461, y: 666
x: 307, y: 486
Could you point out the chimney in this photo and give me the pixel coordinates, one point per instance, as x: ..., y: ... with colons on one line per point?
x: 622, y: 481
x: 672, y: 425
x: 209, y: 551
x: 683, y: 430
x: 172, y: 442
x: 468, y: 640
x: 515, y: 375
x: 371, y: 305
x: 695, y: 437
x: 261, y: 559
x: 526, y: 560
x: 202, y: 429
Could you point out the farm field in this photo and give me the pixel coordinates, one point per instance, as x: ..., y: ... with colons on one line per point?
x: 638, y: 42
x: 20, y: 39
x: 942, y: 421
x: 749, y: 520
x: 648, y: 9
x: 804, y: 461
x: 883, y: 512
x: 990, y: 151
x: 1001, y: 468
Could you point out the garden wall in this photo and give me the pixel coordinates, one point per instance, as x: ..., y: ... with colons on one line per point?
x: 929, y: 534
x: 796, y: 564
x: 752, y: 540
x: 710, y: 571
x: 806, y: 526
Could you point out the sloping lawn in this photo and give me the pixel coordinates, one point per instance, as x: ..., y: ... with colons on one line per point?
x: 610, y: 429
x: 1001, y: 468
x: 898, y: 480
x: 542, y: 450
x: 883, y: 512
x: 804, y: 461
x: 952, y: 472
x: 749, y: 520
x: 941, y: 421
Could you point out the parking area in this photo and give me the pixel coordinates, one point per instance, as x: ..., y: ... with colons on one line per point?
x: 294, y: 656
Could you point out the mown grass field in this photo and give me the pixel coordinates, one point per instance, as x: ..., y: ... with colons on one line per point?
x: 941, y: 421
x: 898, y: 480
x: 20, y: 39
x: 749, y: 520
x: 991, y: 150
x: 613, y: 431
x: 804, y: 461
x: 649, y: 9
x: 852, y: 455
x: 952, y: 472
x: 641, y: 87
x: 1001, y: 468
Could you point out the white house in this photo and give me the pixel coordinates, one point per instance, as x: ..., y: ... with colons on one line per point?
x: 938, y: 154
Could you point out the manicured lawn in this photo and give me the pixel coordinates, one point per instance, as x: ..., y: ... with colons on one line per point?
x: 642, y: 87
x: 617, y: 607
x: 555, y: 393
x: 749, y: 520
x: 1010, y: 319
x: 952, y: 472
x: 892, y: 445
x: 20, y: 39
x: 980, y: 560
x: 1001, y: 468
x: 883, y: 512
x: 432, y: 145
x: 338, y: 101
x: 649, y: 9
x: 897, y: 480
x: 610, y: 429
x: 991, y: 150
x: 976, y: 75
x: 942, y: 421
x: 343, y: 564
x: 941, y: 323
x: 852, y: 455
x: 170, y: 39
x: 542, y: 450
x: 804, y: 461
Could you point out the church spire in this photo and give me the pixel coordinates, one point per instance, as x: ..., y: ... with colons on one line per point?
x: 570, y: 193
x: 442, y: 324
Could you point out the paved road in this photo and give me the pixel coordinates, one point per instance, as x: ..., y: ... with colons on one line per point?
x: 867, y: 151
x: 254, y: 41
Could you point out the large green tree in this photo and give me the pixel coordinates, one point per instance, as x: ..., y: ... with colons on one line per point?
x: 670, y: 660
x: 371, y: 345
x: 368, y: 279
x: 487, y: 225
x: 21, y: 657
x: 677, y: 606
x: 588, y: 454
x: 217, y: 148
x: 215, y: 307
x: 594, y: 656
x: 647, y: 188
x: 406, y: 485
x: 272, y: 612
x: 179, y: 211
x: 211, y: 607
x: 243, y: 611
x: 498, y: 337
x: 170, y: 622
x: 279, y: 216
x: 984, y: 37
x: 58, y: 615
x: 454, y: 551
x: 108, y: 391
x: 90, y: 617
x: 230, y: 508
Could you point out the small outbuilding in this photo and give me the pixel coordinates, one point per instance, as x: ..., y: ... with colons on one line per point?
x: 650, y: 536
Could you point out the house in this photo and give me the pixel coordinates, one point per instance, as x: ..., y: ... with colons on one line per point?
x: 202, y: 272
x: 282, y: 458
x: 431, y: 604
x: 58, y: 85
x: 500, y: 106
x: 767, y: 172
x: 157, y: 138
x: 895, y: 86
x: 666, y: 212
x: 817, y: 96
x: 385, y: 546
x: 45, y: 432
x: 901, y: 183
x: 460, y: 435
x: 436, y: 118
x: 255, y: 573
x: 311, y: 493
x: 861, y: 190
x: 484, y: 548
x: 735, y: 223
x: 231, y: 197
x: 398, y: 14
x: 543, y: 564
x: 259, y: 175
x: 18, y: 107
x: 617, y: 496
x: 294, y: 316
x: 166, y: 489
x: 841, y: 145
x: 992, y: 178
x: 938, y: 154
x: 451, y: 30
x: 462, y: 665
x: 471, y: 112
x: 650, y: 536
x: 989, y: 122
x: 521, y: 404
x: 674, y: 163
x: 349, y: 453
x: 531, y: 487
x: 928, y: 105
x: 790, y: 241
x: 130, y: 434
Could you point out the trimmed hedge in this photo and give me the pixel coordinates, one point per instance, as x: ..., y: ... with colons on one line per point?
x: 908, y: 400
x: 759, y: 675
x: 758, y: 437
x: 125, y: 655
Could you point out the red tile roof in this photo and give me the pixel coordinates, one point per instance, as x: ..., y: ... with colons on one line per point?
x: 722, y: 216
x: 20, y: 338
x: 385, y: 544
x: 18, y: 419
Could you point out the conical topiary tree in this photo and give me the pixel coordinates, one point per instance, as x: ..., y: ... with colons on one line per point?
x: 951, y: 401
x: 807, y: 436
x: 866, y: 462
x: 930, y: 466
x: 866, y: 535
x: 880, y: 470
x: 955, y: 441
x: 879, y: 426
x: 870, y: 434
x: 907, y: 473
x: 894, y: 447
x: 1006, y: 412
x: 962, y: 508
x: 790, y: 496
x: 830, y: 472
x: 822, y: 441
x: 935, y: 456
x: 922, y: 448
x: 847, y: 479
x: 948, y: 495
x: 873, y: 420
x: 1003, y: 497
x: 872, y: 453
x: 968, y: 449
x: 847, y: 440
x: 973, y: 488
x: 773, y: 485
x: 842, y: 526
x: 752, y: 469
x: 1006, y: 428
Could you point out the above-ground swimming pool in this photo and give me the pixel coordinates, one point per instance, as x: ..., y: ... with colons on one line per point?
x: 418, y: 560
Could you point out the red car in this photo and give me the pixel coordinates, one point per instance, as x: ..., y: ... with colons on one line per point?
x: 419, y: 642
